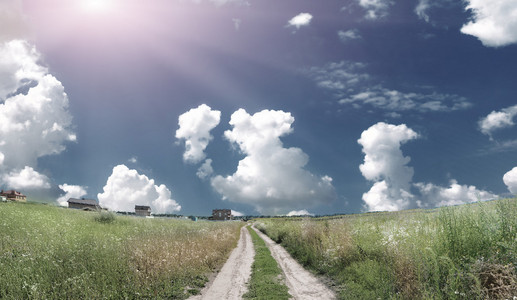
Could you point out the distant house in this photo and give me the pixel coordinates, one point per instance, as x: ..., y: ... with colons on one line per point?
x: 221, y: 214
x: 84, y: 204
x: 13, y: 195
x: 3, y: 199
x: 142, y: 210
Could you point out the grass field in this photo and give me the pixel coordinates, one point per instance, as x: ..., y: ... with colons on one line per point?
x: 48, y: 252
x: 464, y: 252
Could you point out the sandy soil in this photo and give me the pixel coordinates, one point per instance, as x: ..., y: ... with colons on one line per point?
x: 301, y: 283
x: 231, y: 282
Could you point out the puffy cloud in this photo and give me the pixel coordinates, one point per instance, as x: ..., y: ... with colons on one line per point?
x: 71, y: 191
x: 375, y: 9
x: 2, y: 157
x: 353, y: 86
x: 34, y: 117
x: 205, y: 170
x: 302, y: 212
x: 271, y: 178
x: 386, y: 197
x: 351, y: 34
x: 125, y: 188
x: 455, y: 194
x: 133, y: 160
x: 302, y: 19
x: 194, y: 128
x: 385, y: 164
x: 18, y: 66
x: 383, y: 157
x: 510, y: 179
x: 237, y: 214
x: 497, y: 120
x: 26, y: 178
x: 493, y: 22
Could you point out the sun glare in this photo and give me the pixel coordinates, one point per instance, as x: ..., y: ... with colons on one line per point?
x: 97, y: 6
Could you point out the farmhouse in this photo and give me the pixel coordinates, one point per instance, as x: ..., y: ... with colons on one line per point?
x: 13, y: 195
x: 84, y: 204
x: 142, y: 210
x: 222, y: 214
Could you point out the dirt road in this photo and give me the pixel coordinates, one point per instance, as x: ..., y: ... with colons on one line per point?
x: 231, y: 281
x: 301, y: 283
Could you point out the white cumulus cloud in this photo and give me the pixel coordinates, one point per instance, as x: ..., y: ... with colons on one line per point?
x: 34, y: 116
x: 26, y: 178
x: 237, y: 213
x: 271, y: 178
x: 302, y: 19
x: 510, y: 179
x: 71, y: 191
x: 125, y: 188
x: 205, y: 170
x: 194, y: 128
x: 302, y: 212
x: 497, y: 120
x: 455, y: 194
x: 385, y: 164
x: 494, y: 23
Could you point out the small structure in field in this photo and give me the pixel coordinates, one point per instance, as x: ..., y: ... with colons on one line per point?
x: 142, y: 210
x: 84, y: 204
x: 222, y: 214
x: 3, y: 199
x: 13, y: 195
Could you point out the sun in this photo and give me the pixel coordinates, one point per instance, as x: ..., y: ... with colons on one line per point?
x: 97, y: 6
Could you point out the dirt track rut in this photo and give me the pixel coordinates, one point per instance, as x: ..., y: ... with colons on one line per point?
x: 231, y: 282
x: 301, y: 283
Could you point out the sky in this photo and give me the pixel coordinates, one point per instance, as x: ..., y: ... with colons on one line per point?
x: 263, y: 107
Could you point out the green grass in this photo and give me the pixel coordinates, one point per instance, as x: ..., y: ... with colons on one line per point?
x: 463, y: 252
x: 266, y: 277
x: 48, y: 252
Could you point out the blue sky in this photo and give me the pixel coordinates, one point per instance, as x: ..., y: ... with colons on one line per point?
x: 264, y: 107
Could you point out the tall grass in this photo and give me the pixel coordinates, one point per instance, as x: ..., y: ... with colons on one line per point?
x: 464, y: 252
x: 52, y: 253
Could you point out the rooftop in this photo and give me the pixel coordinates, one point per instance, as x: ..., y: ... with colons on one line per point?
x: 11, y: 192
x: 142, y: 207
x: 83, y: 201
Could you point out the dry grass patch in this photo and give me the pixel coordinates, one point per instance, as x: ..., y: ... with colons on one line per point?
x: 53, y: 253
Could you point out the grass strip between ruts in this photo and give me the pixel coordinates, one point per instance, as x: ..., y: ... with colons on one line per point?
x: 266, y: 276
